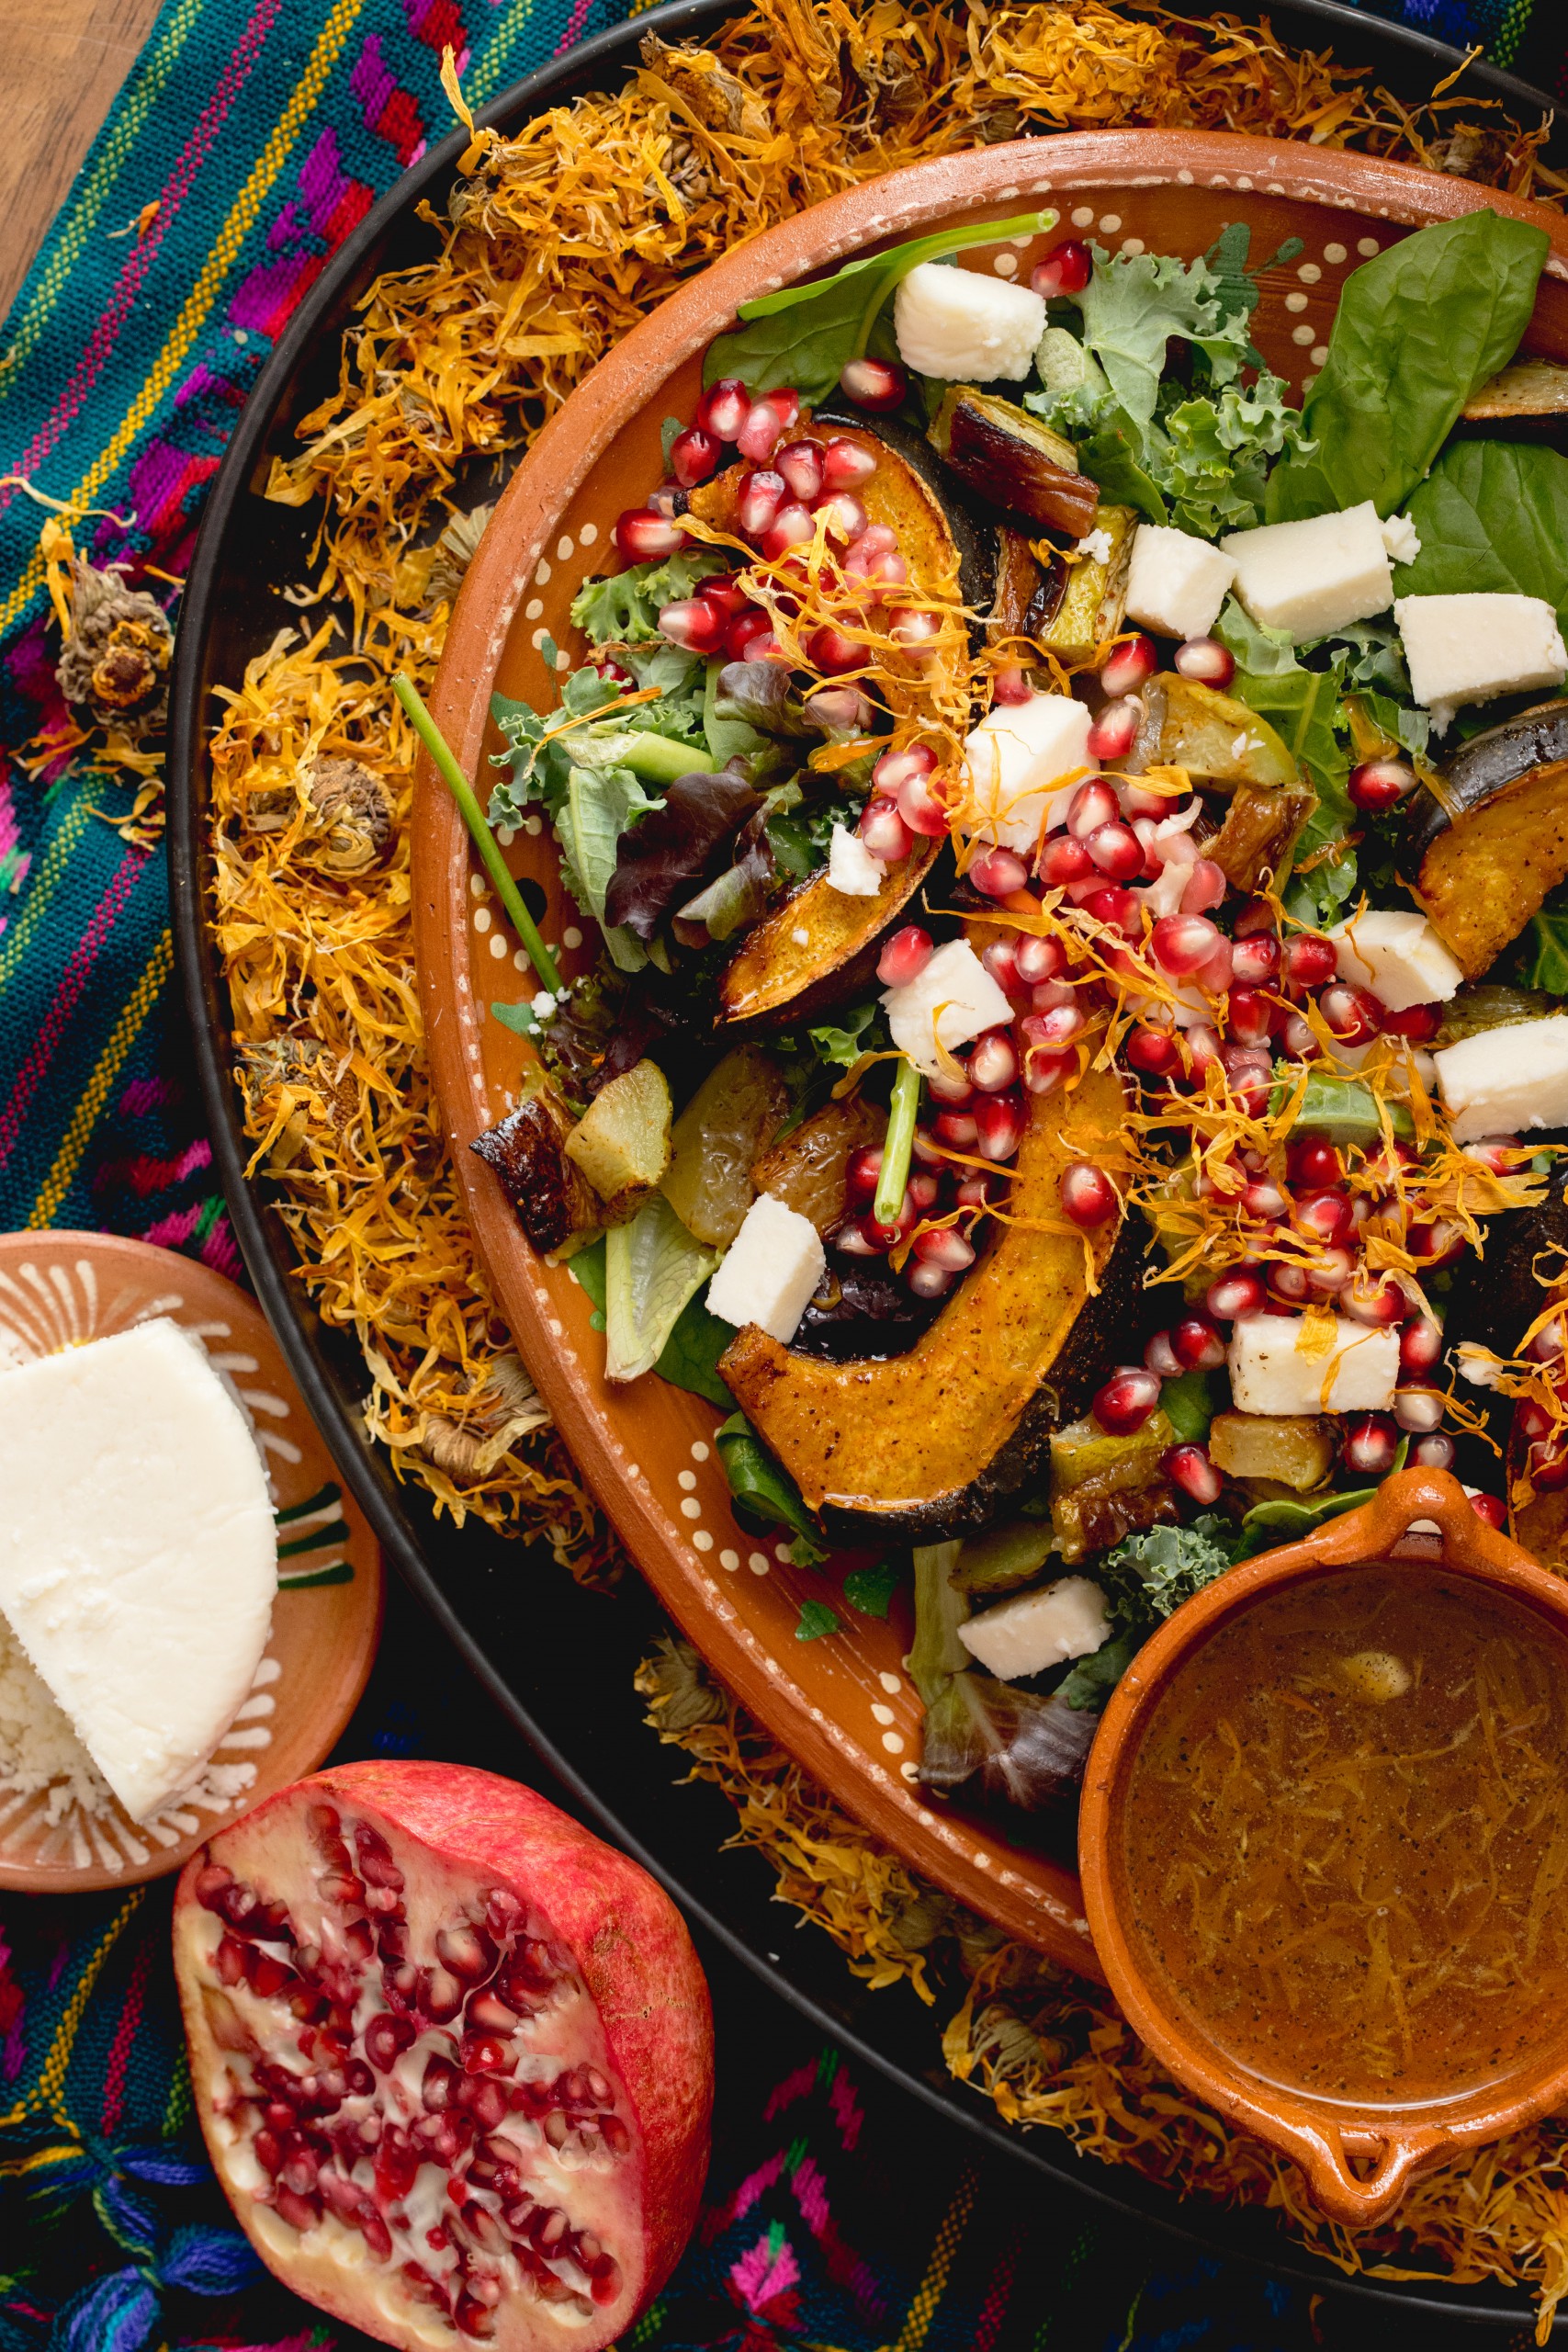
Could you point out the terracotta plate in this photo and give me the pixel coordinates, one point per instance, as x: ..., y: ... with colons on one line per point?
x: 59, y: 1289
x: 841, y: 1702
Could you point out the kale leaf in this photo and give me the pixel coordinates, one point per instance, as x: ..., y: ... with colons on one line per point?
x: 1153, y: 1572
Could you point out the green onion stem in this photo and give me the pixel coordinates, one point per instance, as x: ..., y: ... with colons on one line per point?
x: 660, y: 758
x: 897, y: 1145
x: 474, y: 816
x: 905, y: 259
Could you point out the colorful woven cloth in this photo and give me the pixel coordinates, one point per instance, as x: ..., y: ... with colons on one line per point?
x: 250, y: 138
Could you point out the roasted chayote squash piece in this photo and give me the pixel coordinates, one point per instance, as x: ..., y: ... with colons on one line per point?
x: 1103, y: 1487
x: 1296, y: 1450
x: 1004, y: 1558
x: 1213, y: 736
x: 1255, y: 839
x: 735, y: 1111
x: 1008, y: 457
x: 817, y: 949
x: 1525, y: 388
x: 527, y: 1152
x: 1094, y: 596
x: 621, y: 1144
x: 1491, y: 839
x: 805, y: 1168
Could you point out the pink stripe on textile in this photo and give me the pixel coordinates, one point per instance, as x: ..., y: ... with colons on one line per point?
x: 575, y: 23
x: 73, y: 980
x: 993, y: 2310
x: 102, y: 340
x: 124, y: 2036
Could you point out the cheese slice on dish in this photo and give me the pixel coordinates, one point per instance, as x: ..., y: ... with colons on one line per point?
x: 137, y: 1551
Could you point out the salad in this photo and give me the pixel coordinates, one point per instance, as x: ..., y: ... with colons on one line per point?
x: 1079, y: 844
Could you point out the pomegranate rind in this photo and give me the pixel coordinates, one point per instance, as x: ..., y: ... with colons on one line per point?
x: 630, y: 1948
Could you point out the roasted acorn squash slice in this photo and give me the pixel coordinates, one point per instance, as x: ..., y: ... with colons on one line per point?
x: 924, y: 1446
x: 1490, y: 841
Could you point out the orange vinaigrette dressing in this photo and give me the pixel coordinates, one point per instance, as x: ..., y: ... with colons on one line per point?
x: 1346, y: 1837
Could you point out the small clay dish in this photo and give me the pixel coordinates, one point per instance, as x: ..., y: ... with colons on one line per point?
x: 1295, y: 1887
x: 58, y: 1290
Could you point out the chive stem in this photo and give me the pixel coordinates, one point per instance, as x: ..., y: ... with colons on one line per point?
x: 660, y: 759
x: 898, y: 1146
x: 905, y: 259
x: 474, y: 816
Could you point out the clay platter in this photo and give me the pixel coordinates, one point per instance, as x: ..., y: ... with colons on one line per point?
x: 842, y: 1703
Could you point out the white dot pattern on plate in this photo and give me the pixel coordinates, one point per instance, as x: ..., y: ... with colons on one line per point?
x: 542, y: 573
x: 893, y: 1741
x: 571, y: 936
x: 699, y: 1450
x: 1110, y: 222
x: 1302, y: 334
x: 520, y: 960
x: 498, y: 946
x: 533, y: 608
x: 534, y: 826
x: 476, y: 886
x: 563, y: 659
x: 758, y: 1562
x: 1335, y: 254
x: 1083, y: 216
x: 1367, y: 247
x: 1320, y: 355
x: 1006, y: 264
x: 481, y: 919
x: 1295, y: 301
x: 1134, y: 245
x: 588, y: 534
x: 506, y: 835
x: 879, y: 1714
x: 537, y: 639
x: 781, y: 1552
x: 1309, y: 273
x: 565, y: 549
x: 1027, y: 237
x: 703, y: 1539
x: 1184, y: 179
x: 688, y: 1479
x: 730, y: 1560
x: 889, y: 1681
x: 910, y: 1771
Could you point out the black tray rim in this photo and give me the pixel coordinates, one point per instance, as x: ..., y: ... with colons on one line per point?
x: 1209, y: 2228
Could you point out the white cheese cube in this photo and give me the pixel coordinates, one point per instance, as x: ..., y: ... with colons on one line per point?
x: 851, y: 868
x: 951, y: 1000
x: 1272, y: 1372
x: 137, y: 1552
x: 1308, y: 578
x: 1176, y: 583
x: 1502, y: 1080
x: 965, y: 325
x: 1401, y: 538
x: 770, y: 1270
x: 1024, y: 761
x: 1467, y: 649
x: 1034, y: 1630
x: 1399, y: 956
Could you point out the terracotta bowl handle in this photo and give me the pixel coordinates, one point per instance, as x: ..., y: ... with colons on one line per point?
x: 1360, y: 2199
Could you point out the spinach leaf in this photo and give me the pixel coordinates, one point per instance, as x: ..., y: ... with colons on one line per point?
x: 1417, y: 331
x: 1492, y: 515
x: 763, y: 1493
x: 804, y: 335
x: 1544, y: 962
x: 871, y: 1591
x: 1189, y: 1404
x: 1090, y: 1680
x: 1305, y: 707
x: 1267, y: 1525
x: 690, y: 1355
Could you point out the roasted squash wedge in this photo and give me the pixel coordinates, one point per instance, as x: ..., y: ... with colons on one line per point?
x: 776, y: 977
x: 1017, y: 465
x: 925, y: 1445
x: 553, y: 1199
x: 1490, y: 841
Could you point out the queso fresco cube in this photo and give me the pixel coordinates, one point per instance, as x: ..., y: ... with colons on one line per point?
x: 1308, y: 578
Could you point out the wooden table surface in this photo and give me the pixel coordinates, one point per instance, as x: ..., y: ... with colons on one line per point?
x: 60, y: 65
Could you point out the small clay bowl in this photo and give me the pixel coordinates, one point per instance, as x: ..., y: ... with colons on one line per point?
x: 1359, y: 2156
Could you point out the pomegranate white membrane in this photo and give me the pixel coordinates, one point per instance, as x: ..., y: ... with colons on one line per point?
x: 452, y: 2056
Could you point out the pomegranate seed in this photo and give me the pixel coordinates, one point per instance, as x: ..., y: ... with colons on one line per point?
x: 1056, y: 1026
x: 1117, y: 851
x: 800, y: 463
x: 998, y: 1125
x: 845, y: 465
x: 862, y: 1170
x: 1127, y: 1400
x: 925, y: 1149
x: 920, y: 808
x: 694, y: 623
x: 666, y: 500
x: 1314, y: 1163
x: 998, y: 872
x: 944, y: 1246
x: 1250, y: 1014
x: 1420, y: 1345
x: 1298, y: 1039
x: 846, y: 520
x: 876, y: 384
x: 758, y: 501
x: 1353, y: 1015
x: 1206, y: 887
x: 905, y: 956
x: 1310, y: 959
x: 917, y: 632
x: 1549, y: 1341
x: 884, y: 831
x: 1548, y: 1468
x: 1235, y: 1293
x: 1039, y: 960
x: 928, y: 1280
x: 1438, y: 1243
x: 725, y: 592
x: 955, y: 1090
x: 1380, y: 785
x: 1088, y: 1196
x: 1198, y: 1344
x: 887, y: 1235
x: 1160, y: 1357
x: 1265, y: 1200
x: 1128, y: 669
x: 876, y: 540
x: 1254, y: 959
x: 959, y: 1130
x: 1188, y: 1467
x: 1091, y: 806
x: 1066, y: 269
x: 829, y: 651
x: 759, y: 433
x: 1215, y: 975
x: 1287, y: 1281
x: 1182, y: 944
x: 1046, y: 1067
x: 749, y: 636
x: 724, y: 408
x: 1117, y: 908
x: 896, y: 769
x: 1420, y: 1410
x: 694, y: 456
x: 1205, y: 659
x: 1114, y: 732
x: 1000, y: 959
x: 1331, y: 1271
x: 792, y: 526
x: 1531, y: 1419
x: 1417, y: 1024
x: 840, y: 709
x: 643, y: 537
x: 1153, y: 1052
x: 993, y: 1062
x: 1488, y: 1508
x: 1374, y: 1298
x: 1434, y: 1452
x: 1063, y: 860
x: 1325, y: 1217
x: 853, y: 1240
x: 1369, y: 1446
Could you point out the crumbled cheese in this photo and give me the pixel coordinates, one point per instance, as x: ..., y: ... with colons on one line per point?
x: 1024, y: 764
x: 1275, y: 1366
x: 1176, y: 583
x: 1309, y: 578
x: 1469, y: 648
x: 770, y: 1270
x: 138, y: 1553
x: 852, y: 869
x: 800, y: 935
x: 1401, y: 538
x: 1095, y: 548
x: 1398, y: 956
x: 38, y: 1748
x: 1500, y: 1082
x: 1034, y: 1630
x: 951, y: 1000
x: 543, y: 1005
x: 965, y: 325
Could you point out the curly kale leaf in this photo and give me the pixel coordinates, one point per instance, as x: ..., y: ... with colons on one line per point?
x: 1152, y: 1573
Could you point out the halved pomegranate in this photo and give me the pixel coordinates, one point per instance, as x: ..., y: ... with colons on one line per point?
x: 453, y: 2057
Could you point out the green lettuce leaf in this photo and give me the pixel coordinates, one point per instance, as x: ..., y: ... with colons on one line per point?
x: 624, y: 609
x: 1131, y: 307
x: 1306, y: 707
x: 841, y: 1043
x: 1492, y: 515
x: 1417, y: 331
x: 652, y: 1267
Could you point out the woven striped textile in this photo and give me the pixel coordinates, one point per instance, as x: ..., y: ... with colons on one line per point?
x: 250, y: 138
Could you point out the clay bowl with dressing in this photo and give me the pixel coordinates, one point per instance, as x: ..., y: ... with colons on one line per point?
x: 1323, y: 1839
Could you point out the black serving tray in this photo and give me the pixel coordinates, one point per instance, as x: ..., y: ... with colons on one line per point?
x: 558, y: 1661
